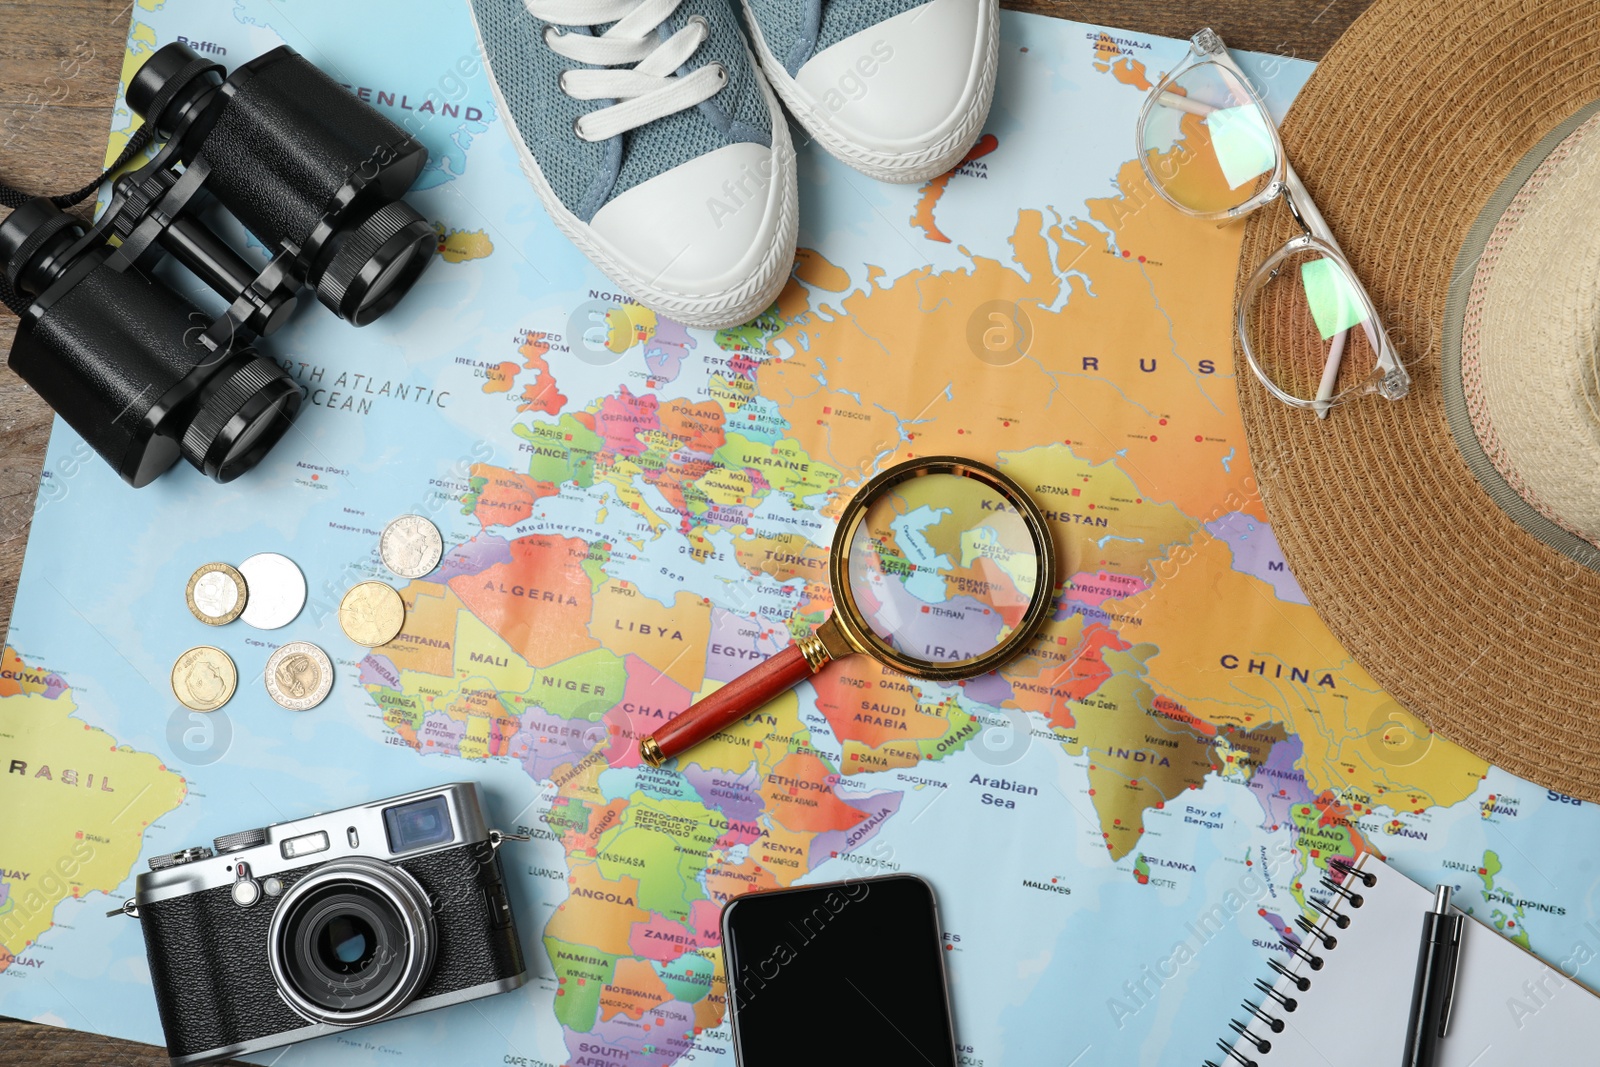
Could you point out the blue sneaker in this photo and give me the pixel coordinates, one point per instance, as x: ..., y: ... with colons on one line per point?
x: 898, y: 89
x: 655, y: 144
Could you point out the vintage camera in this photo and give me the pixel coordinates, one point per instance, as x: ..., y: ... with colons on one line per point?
x: 138, y: 370
x: 284, y: 933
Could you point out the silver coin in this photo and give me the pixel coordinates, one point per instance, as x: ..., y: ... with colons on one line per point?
x: 299, y: 675
x: 215, y: 594
x: 277, y: 590
x: 411, y: 546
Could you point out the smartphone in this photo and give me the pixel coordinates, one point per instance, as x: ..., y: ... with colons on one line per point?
x: 841, y: 973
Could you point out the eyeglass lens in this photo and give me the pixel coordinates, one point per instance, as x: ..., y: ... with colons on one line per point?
x: 1207, y: 142
x: 1308, y: 328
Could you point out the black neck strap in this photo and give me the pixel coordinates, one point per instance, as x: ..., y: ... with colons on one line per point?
x: 14, y: 198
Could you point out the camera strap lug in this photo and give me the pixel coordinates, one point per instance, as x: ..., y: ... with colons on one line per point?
x: 499, y: 837
x: 128, y: 908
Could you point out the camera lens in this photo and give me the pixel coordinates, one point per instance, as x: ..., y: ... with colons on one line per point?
x: 352, y: 942
x: 346, y: 949
x: 345, y: 944
x: 119, y: 356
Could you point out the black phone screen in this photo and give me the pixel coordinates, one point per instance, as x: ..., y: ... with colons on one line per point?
x: 863, y: 955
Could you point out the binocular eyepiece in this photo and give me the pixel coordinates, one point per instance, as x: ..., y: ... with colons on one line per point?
x: 312, y: 172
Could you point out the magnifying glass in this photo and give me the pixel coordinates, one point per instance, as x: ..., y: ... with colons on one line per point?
x: 942, y: 568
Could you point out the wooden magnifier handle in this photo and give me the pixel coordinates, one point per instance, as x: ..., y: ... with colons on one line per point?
x: 728, y: 705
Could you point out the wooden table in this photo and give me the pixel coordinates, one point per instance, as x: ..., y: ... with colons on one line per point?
x: 59, y: 65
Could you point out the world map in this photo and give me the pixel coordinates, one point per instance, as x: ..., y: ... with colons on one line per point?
x: 1121, y: 824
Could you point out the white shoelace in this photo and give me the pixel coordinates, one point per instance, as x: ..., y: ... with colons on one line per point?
x: 650, y: 88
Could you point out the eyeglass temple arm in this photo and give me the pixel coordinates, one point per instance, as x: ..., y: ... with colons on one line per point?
x: 1306, y: 213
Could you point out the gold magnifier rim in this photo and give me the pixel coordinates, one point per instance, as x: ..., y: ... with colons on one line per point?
x: 859, y: 633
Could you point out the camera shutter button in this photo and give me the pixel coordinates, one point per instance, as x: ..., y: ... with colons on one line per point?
x: 246, y: 890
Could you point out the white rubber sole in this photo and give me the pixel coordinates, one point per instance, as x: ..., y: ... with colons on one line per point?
x: 722, y: 310
x: 898, y: 168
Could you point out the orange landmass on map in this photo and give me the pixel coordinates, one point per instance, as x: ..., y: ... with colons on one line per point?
x: 602, y: 820
x: 1051, y: 676
x: 813, y: 268
x: 427, y: 637
x: 540, y: 602
x: 799, y: 793
x: 1128, y: 774
x: 875, y: 742
x: 19, y: 679
x: 1001, y: 592
x: 506, y: 497
x: 708, y: 1010
x: 1105, y: 48
x: 933, y: 191
x: 784, y: 853
x: 1127, y: 70
x: 597, y: 912
x: 857, y: 694
x: 1109, y: 57
x: 1131, y: 407
x: 498, y: 379
x: 1337, y: 710
x: 782, y: 556
x: 541, y: 394
x: 671, y: 638
x: 696, y: 427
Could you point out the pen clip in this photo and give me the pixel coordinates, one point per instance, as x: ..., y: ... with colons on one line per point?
x: 1455, y: 974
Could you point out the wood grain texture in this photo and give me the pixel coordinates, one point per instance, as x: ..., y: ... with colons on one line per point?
x: 59, y: 65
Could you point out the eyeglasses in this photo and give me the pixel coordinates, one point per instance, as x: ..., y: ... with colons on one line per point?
x: 1210, y: 149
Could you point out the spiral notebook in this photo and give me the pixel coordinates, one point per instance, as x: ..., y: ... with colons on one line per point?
x: 1342, y: 996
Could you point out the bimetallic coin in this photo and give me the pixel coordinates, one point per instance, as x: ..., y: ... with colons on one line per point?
x: 217, y: 594
x: 299, y: 675
x: 277, y: 590
x: 411, y: 546
x: 371, y: 614
x: 204, y: 678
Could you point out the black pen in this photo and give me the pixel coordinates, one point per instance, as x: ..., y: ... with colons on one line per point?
x: 1435, y: 986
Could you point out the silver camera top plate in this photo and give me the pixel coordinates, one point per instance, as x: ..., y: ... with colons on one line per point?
x: 349, y: 832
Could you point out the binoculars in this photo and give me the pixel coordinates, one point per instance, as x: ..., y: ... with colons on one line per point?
x: 143, y: 374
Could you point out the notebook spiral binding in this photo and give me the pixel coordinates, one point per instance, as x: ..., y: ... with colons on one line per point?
x: 1264, y: 1018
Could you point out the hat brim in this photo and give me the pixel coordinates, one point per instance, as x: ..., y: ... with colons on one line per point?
x: 1402, y: 135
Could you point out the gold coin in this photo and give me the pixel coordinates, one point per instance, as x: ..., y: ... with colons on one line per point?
x: 204, y: 678
x: 299, y: 675
x: 217, y: 594
x: 371, y: 614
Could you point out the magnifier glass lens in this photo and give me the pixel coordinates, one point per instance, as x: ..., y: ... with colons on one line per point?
x: 942, y: 568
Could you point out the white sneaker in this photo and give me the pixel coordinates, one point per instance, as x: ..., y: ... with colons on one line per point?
x: 655, y: 144
x: 898, y: 89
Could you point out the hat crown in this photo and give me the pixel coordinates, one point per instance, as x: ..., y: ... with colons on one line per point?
x: 1530, y: 345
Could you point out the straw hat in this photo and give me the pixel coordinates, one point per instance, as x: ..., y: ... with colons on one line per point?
x: 1450, y: 539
